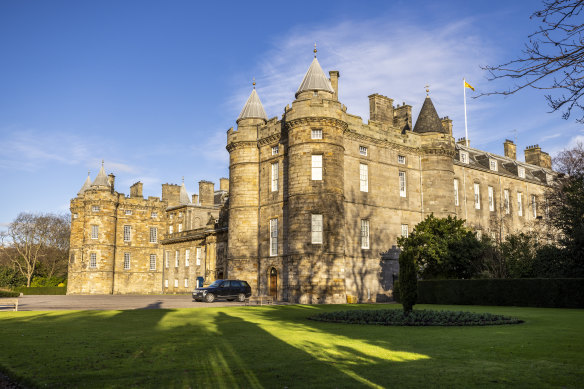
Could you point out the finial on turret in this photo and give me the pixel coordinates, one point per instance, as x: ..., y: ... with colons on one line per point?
x: 183, y: 179
x: 253, y: 83
x: 102, y: 163
x: 427, y: 89
x: 314, y: 49
x: 88, y: 173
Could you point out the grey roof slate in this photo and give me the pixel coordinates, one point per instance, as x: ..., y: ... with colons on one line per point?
x: 315, y: 79
x: 86, y: 185
x: 101, y: 180
x: 428, y: 120
x: 253, y: 108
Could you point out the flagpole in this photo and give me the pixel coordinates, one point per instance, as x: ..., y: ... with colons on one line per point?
x: 465, y: 125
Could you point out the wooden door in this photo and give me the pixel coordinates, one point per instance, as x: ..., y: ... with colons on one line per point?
x: 274, y: 283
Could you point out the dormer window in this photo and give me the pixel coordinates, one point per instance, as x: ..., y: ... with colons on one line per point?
x: 493, y: 164
x: 521, y: 171
x: 463, y: 156
x: 363, y: 151
x: 275, y: 150
x: 316, y: 133
x: 548, y: 178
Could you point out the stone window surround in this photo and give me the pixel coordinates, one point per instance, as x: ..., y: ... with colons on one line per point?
x: 93, y: 261
x: 316, y: 133
x: 273, y: 237
x: 363, y: 151
x: 456, y: 201
x: 316, y: 229
x: 365, y: 244
x: 477, y: 195
x: 363, y: 177
x: 153, y: 234
x: 402, y: 183
x: 491, y: 193
x: 126, y: 261
x: 275, y: 150
x: 127, y: 233
x: 401, y: 159
x: 94, y: 231
x: 152, y: 261
x: 404, y: 230
x: 274, y: 179
x: 316, y: 167
x: 187, y: 257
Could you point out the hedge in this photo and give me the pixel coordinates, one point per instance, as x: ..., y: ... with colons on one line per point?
x: 41, y: 290
x: 4, y: 293
x: 523, y: 292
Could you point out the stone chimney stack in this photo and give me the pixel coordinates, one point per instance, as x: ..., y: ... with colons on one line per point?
x: 447, y: 124
x: 380, y: 108
x: 462, y: 141
x: 195, y: 199
x: 534, y: 156
x: 510, y: 149
x: 206, y: 193
x: 112, y: 180
x: 171, y: 193
x: 136, y: 190
x: 334, y: 77
x: 224, y: 184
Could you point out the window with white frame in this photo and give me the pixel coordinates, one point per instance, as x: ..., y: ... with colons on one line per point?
x: 152, y: 261
x: 534, y: 206
x: 154, y: 215
x: 167, y: 259
x: 477, y: 196
x: 275, y: 173
x: 93, y: 260
x: 456, y: 192
x: 176, y: 283
x: 187, y: 258
x: 401, y: 159
x: 273, y: 237
x: 198, y: 255
x: 316, y: 133
x: 521, y: 171
x: 153, y: 234
x: 363, y: 177
x: 166, y: 283
x: 127, y: 233
x: 170, y: 229
x: 363, y: 151
x: 179, y: 227
x: 275, y: 150
x: 176, y: 258
x: 317, y: 167
x: 404, y: 230
x: 180, y: 214
x: 364, y: 234
x: 463, y: 156
x: 94, y: 231
x: 507, y: 203
x: 95, y: 208
x: 186, y: 282
x: 171, y: 216
x: 520, y: 203
x: 75, y: 215
x: 493, y: 164
x: 126, y: 261
x: 491, y: 198
x: 402, y: 184
x: 128, y: 212
x: 316, y: 229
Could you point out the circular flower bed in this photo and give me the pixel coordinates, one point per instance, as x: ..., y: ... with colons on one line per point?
x: 396, y: 317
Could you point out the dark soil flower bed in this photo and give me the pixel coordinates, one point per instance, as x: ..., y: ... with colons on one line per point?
x: 396, y: 317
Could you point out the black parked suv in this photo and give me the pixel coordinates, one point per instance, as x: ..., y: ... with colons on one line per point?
x: 223, y: 289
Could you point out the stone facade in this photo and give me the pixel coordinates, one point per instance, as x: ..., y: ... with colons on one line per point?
x: 314, y: 203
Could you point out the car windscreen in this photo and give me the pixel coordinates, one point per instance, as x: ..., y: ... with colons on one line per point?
x: 215, y: 284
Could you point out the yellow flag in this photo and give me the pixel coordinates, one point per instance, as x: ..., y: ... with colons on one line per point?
x: 467, y: 85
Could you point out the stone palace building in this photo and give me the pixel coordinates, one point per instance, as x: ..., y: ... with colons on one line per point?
x: 313, y: 206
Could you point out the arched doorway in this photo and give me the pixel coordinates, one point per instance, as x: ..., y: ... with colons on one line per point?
x: 273, y: 291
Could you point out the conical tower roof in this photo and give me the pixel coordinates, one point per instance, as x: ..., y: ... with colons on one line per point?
x: 428, y: 120
x: 184, y: 196
x: 253, y: 108
x: 315, y: 79
x: 86, y: 185
x: 101, y: 179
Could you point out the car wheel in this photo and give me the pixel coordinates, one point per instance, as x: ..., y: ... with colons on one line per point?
x: 241, y: 297
x: 210, y: 297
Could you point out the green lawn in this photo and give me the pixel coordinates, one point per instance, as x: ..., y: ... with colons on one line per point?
x: 276, y: 347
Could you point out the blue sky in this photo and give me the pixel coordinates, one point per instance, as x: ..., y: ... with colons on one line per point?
x: 151, y: 87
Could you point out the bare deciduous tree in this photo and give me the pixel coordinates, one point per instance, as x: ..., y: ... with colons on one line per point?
x: 553, y: 58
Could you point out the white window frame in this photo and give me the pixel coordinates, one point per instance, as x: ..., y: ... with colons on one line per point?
x: 363, y: 151
x: 153, y: 234
x: 126, y: 261
x: 176, y: 283
x: 75, y: 215
x: 166, y: 283
x: 95, y: 208
x: 187, y: 257
x: 477, y: 195
x: 520, y: 203
x: 127, y: 212
x: 176, y: 258
x: 94, y: 231
x: 404, y: 230
x: 152, y: 261
x: 316, y: 133
x: 93, y: 261
x: 401, y: 159
x: 167, y: 258
x: 170, y: 229
x: 179, y: 227
x: 275, y: 176
x: 456, y: 202
x: 198, y: 254
x: 493, y: 164
x: 534, y: 206
x: 316, y: 167
x: 463, y: 157
x: 491, y: 194
x: 186, y: 282
x: 127, y: 233
x: 316, y: 229
x: 402, y: 184
x: 154, y: 215
x: 275, y: 150
x: 521, y: 171
x: 273, y: 237
x: 363, y: 177
x: 180, y: 214
x: 365, y: 234
x: 507, y: 201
